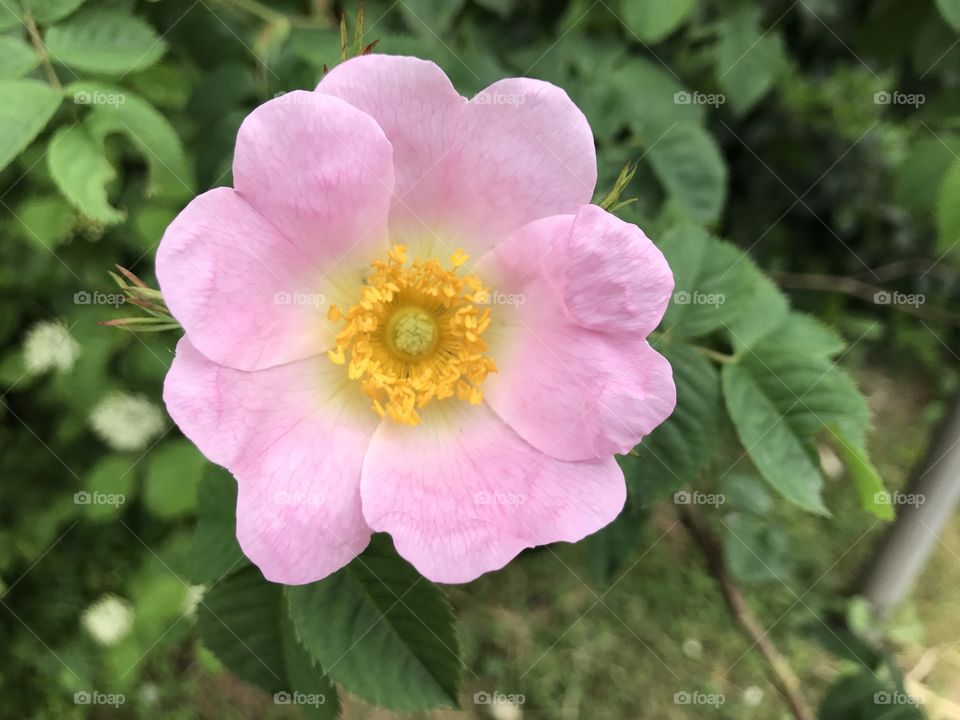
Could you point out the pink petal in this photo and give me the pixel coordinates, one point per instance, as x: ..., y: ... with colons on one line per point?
x: 470, y: 173
x: 319, y: 170
x: 610, y: 275
x: 294, y: 437
x: 232, y: 280
x: 565, y: 384
x: 249, y: 273
x: 462, y: 493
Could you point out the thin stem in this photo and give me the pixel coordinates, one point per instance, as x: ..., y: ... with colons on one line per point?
x: 783, y: 676
x: 714, y: 355
x: 41, y: 50
x: 862, y: 290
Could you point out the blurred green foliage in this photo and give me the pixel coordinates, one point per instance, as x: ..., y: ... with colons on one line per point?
x: 820, y: 137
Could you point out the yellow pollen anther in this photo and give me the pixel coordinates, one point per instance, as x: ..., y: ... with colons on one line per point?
x: 415, y: 335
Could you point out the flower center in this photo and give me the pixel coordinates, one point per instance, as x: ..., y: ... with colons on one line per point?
x: 411, y: 332
x: 415, y: 335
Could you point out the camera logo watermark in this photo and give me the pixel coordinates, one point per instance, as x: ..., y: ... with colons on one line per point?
x: 299, y: 698
x: 884, y: 297
x: 485, y: 697
x: 315, y: 300
x: 895, y: 698
x: 898, y: 498
x: 99, y: 498
x: 685, y: 497
x: 498, y: 498
x: 683, y: 97
x: 499, y: 298
x: 95, y: 97
x: 686, y: 697
x: 498, y: 98
x: 883, y: 97
x: 698, y: 298
x: 82, y: 297
x: 94, y: 697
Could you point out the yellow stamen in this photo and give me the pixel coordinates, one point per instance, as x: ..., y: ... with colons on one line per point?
x: 415, y: 335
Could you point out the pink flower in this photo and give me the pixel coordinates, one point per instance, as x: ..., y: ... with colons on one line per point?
x: 407, y: 317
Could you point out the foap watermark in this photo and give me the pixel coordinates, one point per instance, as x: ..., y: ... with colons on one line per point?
x: 885, y: 97
x: 695, y: 697
x: 95, y: 697
x: 499, y: 298
x: 686, y: 497
x: 96, y: 97
x: 885, y: 297
x: 288, y: 498
x: 683, y: 97
x: 898, y: 498
x: 299, y: 298
x: 498, y: 498
x: 895, y: 698
x: 299, y: 698
x: 82, y: 297
x: 99, y: 498
x: 296, y: 97
x: 699, y: 298
x: 487, y: 97
x: 494, y: 697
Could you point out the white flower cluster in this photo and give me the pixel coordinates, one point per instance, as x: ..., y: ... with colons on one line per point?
x: 48, y: 345
x: 108, y: 620
x: 126, y: 422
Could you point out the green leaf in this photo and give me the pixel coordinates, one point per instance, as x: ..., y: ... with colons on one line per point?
x: 811, y: 390
x: 950, y: 10
x: 116, y: 110
x: 243, y: 620
x: 745, y: 493
x: 81, y: 172
x: 17, y: 58
x: 948, y: 211
x: 654, y: 98
x: 108, y: 487
x: 714, y: 282
x: 918, y: 177
x: 216, y: 551
x: 47, y: 12
x: 769, y: 308
x: 689, y: 164
x: 308, y: 687
x: 865, y: 696
x: 44, y: 219
x: 748, y: 60
x: 773, y: 445
x: 608, y: 548
x: 174, y: 470
x: 755, y: 550
x: 680, y: 447
x: 873, y: 495
x: 239, y: 620
x: 654, y: 20
x: 104, y: 41
x: 9, y: 17
x: 803, y: 334
x: 27, y: 107
x: 379, y: 612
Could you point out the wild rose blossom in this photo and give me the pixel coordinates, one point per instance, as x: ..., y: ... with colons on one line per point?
x: 406, y: 316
